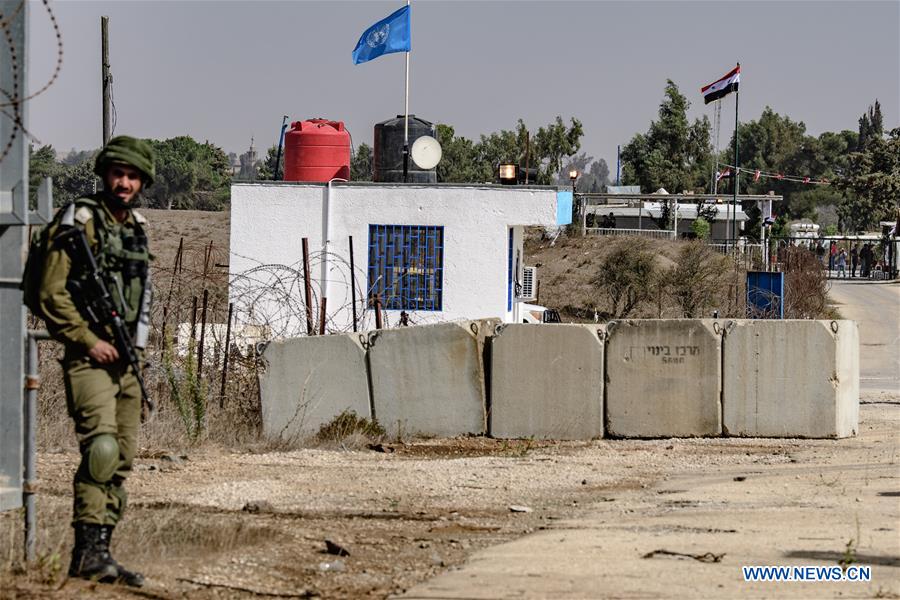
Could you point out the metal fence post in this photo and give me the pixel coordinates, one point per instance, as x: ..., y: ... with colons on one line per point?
x: 32, y: 384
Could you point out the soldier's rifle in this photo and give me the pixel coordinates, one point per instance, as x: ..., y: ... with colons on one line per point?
x: 104, y: 309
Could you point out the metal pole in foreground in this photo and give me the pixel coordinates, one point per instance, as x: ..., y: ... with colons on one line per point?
x: 32, y: 384
x: 225, y: 360
x: 105, y: 78
x: 307, y: 288
x: 202, y: 335
x: 737, y: 168
x: 378, y: 321
x: 352, y: 285
x: 406, y: 122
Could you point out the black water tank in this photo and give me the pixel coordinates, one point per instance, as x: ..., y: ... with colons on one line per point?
x: 388, y: 157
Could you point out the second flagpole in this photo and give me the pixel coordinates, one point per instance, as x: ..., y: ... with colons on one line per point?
x: 406, y: 122
x: 737, y: 169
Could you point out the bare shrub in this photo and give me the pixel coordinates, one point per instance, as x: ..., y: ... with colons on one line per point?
x: 698, y: 279
x: 805, y: 285
x: 627, y: 276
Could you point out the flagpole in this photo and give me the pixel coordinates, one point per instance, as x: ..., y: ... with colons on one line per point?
x: 406, y: 122
x: 717, y: 119
x: 737, y: 167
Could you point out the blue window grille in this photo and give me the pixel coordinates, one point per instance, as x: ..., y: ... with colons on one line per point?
x: 406, y: 266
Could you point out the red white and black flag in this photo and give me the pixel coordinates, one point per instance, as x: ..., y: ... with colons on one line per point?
x: 722, y: 87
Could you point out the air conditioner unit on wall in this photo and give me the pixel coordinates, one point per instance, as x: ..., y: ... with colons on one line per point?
x: 529, y: 284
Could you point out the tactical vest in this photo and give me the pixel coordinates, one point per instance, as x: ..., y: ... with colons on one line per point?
x: 122, y: 255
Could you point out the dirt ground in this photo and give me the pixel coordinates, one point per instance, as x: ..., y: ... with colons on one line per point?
x: 447, y: 518
x: 196, y: 227
x: 218, y: 523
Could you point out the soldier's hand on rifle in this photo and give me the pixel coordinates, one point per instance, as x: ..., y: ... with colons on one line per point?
x: 104, y: 353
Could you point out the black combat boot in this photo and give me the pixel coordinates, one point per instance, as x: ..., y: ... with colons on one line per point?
x: 90, y: 559
x: 132, y: 578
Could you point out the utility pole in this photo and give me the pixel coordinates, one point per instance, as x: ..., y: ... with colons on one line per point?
x: 105, y: 77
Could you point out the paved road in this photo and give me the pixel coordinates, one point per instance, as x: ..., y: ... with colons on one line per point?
x: 812, y: 502
x: 876, y: 307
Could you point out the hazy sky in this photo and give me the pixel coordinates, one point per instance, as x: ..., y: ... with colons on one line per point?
x: 226, y: 71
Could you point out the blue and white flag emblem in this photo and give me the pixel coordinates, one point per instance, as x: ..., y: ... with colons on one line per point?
x: 388, y: 35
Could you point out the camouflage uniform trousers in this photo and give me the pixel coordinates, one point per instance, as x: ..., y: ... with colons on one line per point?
x: 102, y: 399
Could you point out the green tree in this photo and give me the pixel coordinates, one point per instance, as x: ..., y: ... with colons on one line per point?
x: 465, y: 161
x: 189, y: 175
x: 777, y: 144
x: 701, y: 228
x: 267, y: 165
x: 674, y: 153
x: 593, y: 175
x: 772, y: 143
x: 74, y: 181
x: 872, y: 183
x: 42, y: 163
x: 504, y: 146
x: 361, y: 163
x: 459, y: 158
x: 553, y: 143
x: 871, y: 125
x: 73, y: 175
x: 75, y: 157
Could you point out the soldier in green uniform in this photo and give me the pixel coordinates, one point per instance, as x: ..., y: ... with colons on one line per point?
x: 102, y: 390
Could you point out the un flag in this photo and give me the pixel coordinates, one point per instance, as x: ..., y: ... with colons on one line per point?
x: 390, y: 34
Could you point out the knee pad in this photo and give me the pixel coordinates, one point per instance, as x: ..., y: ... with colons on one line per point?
x: 101, y: 457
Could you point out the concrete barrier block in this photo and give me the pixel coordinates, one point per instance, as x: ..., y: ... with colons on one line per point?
x: 663, y: 378
x: 791, y: 378
x: 429, y: 380
x: 310, y: 380
x: 546, y: 381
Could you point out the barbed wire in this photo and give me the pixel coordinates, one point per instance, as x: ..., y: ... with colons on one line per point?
x: 5, y: 24
x: 13, y: 98
x: 268, y: 299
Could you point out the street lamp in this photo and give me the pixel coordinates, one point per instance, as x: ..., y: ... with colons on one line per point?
x: 573, y: 175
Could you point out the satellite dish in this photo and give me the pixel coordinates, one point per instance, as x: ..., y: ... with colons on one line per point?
x: 426, y: 152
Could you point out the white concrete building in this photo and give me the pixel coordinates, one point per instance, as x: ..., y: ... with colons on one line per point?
x: 436, y: 252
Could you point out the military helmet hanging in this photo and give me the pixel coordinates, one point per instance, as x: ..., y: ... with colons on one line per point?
x: 130, y: 151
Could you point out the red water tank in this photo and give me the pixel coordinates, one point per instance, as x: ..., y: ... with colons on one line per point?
x: 316, y: 150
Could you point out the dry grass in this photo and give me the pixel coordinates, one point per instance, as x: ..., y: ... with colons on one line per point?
x: 229, y: 419
x: 569, y: 271
x: 148, y: 534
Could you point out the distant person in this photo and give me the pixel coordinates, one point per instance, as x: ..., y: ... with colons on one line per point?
x: 610, y: 221
x: 841, y: 263
x: 866, y: 255
x: 820, y: 252
x: 854, y: 259
x: 103, y: 393
x: 832, y: 254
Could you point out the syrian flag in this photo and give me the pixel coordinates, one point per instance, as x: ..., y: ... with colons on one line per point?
x: 722, y: 87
